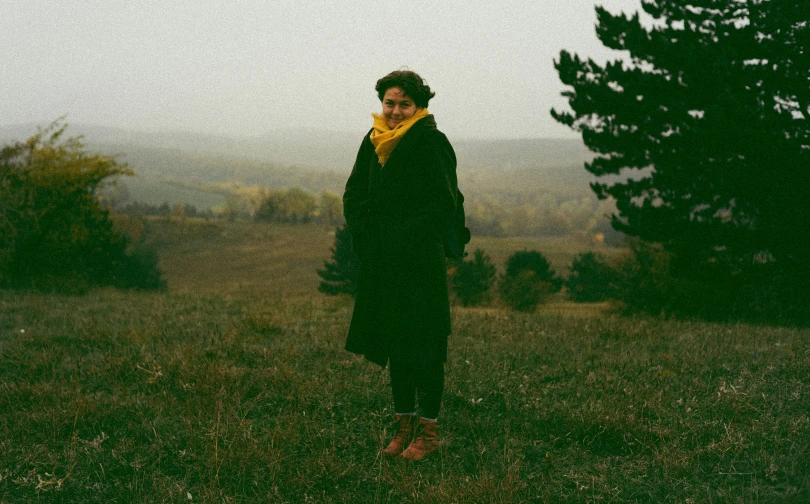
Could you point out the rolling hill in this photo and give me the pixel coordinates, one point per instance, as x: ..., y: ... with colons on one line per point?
x: 191, y: 168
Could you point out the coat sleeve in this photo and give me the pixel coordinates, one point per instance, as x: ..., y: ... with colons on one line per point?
x: 355, y: 196
x: 441, y: 190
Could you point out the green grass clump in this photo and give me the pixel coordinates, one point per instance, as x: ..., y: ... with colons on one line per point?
x: 182, y: 397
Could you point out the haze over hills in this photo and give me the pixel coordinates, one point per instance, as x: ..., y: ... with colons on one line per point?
x: 313, y: 149
x: 318, y: 160
x: 318, y: 150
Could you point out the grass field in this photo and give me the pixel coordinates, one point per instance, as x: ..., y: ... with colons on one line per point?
x: 216, y: 256
x: 231, y: 390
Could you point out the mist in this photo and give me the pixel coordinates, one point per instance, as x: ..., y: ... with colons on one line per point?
x: 250, y: 68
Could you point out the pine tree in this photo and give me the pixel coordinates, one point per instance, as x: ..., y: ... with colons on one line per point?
x: 527, y: 280
x: 340, y: 275
x: 592, y: 279
x: 472, y: 279
x: 707, y: 124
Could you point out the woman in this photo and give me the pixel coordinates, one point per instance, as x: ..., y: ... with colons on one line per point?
x: 399, y: 199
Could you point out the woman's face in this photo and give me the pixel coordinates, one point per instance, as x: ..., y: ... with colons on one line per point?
x: 397, y: 106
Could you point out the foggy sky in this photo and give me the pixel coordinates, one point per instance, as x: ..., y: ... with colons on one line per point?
x: 244, y: 67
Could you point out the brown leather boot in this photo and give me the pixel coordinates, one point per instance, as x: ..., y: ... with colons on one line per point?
x: 404, y: 435
x: 424, y: 443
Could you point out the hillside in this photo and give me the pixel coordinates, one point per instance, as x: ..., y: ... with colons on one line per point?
x: 318, y: 160
x: 234, y: 386
x: 306, y: 149
x: 217, y: 256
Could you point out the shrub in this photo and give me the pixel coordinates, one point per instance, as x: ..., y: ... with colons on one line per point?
x: 472, y: 279
x: 592, y: 279
x: 652, y: 281
x: 138, y: 269
x: 55, y: 234
x: 647, y: 283
x: 527, y: 280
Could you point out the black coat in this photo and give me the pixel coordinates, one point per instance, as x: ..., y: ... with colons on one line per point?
x: 397, y: 215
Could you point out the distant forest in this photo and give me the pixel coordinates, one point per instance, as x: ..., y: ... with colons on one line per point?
x: 522, y: 187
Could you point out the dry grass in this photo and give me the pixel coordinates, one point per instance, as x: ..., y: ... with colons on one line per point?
x: 230, y: 257
x: 241, y: 396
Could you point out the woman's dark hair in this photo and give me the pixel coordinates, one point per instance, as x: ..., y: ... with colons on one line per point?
x: 410, y: 83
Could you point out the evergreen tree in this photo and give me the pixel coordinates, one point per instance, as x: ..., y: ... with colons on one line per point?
x: 340, y: 275
x: 710, y: 111
x: 592, y: 279
x: 472, y: 279
x: 527, y: 280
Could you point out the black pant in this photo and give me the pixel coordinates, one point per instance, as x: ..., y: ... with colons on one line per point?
x: 409, y: 380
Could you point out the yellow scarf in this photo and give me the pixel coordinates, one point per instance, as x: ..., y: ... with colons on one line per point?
x: 385, y: 138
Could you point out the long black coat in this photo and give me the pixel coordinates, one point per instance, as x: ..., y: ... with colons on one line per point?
x: 397, y: 215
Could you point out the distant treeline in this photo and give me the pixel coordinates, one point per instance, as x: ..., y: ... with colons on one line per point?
x: 540, y: 215
x: 493, y: 214
x: 290, y: 205
x: 295, y: 206
x: 165, y: 209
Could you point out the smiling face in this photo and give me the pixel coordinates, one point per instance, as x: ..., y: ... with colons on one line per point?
x: 397, y: 106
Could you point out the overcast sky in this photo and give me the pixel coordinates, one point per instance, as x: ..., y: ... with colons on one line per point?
x: 244, y: 67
